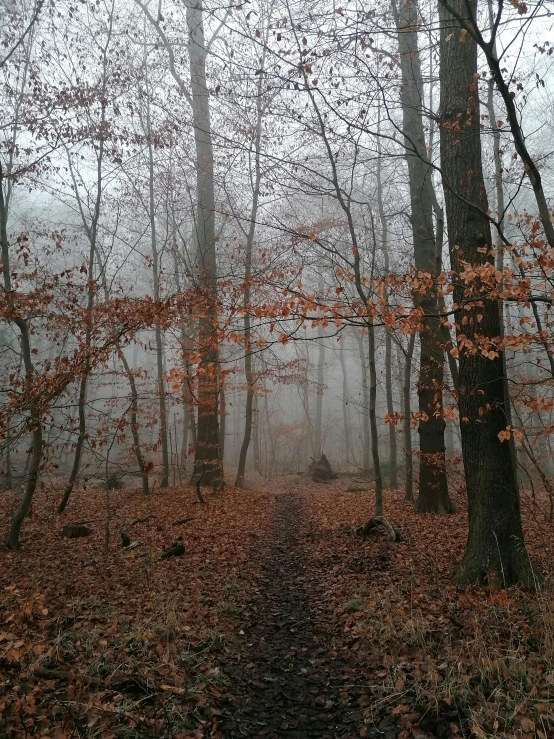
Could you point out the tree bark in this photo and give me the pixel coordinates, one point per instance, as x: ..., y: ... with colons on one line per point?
x: 207, y: 460
x: 433, y: 486
x: 318, y: 440
x: 249, y: 375
x: 156, y: 280
x: 345, y: 414
x: 222, y: 420
x: 35, y: 416
x: 373, y: 420
x: 407, y: 392
x: 495, y: 550
x: 92, y: 233
x: 500, y: 207
x: 365, y: 401
x: 393, y: 456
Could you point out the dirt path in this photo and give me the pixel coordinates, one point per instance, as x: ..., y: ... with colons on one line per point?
x: 288, y: 680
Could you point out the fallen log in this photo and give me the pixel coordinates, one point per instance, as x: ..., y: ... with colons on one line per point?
x: 140, y: 520
x: 68, y: 677
x: 122, y: 684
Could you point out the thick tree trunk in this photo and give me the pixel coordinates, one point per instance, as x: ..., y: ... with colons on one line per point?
x: 433, y: 487
x: 495, y: 550
x: 207, y: 461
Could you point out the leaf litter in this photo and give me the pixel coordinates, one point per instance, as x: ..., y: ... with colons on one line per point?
x: 277, y: 621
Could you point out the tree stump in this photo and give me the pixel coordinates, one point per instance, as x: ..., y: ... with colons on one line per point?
x: 75, y: 530
x: 175, y: 550
x: 114, y: 483
x: 379, y: 524
x: 321, y: 471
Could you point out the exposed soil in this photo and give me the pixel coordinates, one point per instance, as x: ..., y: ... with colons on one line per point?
x: 290, y: 679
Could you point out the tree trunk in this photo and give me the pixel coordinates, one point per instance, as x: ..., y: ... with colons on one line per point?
x: 345, y: 414
x: 365, y: 402
x: 35, y: 419
x: 495, y: 549
x: 8, y: 458
x: 207, y: 460
x: 134, y: 420
x: 186, y: 386
x: 306, y: 404
x: 222, y: 420
x: 318, y: 441
x: 185, y: 436
x: 393, y: 458
x: 407, y: 392
x: 256, y: 436
x: 92, y: 232
x: 249, y: 375
x: 433, y: 487
x: 393, y: 464
x: 500, y: 207
x: 156, y: 280
x: 373, y: 420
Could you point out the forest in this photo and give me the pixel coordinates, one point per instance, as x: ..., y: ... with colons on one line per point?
x: 276, y: 369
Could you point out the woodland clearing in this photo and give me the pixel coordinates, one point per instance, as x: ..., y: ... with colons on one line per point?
x: 278, y: 621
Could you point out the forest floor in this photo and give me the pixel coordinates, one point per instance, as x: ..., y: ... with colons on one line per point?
x: 277, y: 621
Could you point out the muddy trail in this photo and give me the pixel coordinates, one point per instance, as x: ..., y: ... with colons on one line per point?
x: 289, y: 679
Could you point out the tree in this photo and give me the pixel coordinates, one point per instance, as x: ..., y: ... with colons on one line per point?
x: 17, y: 314
x: 249, y: 374
x: 207, y: 460
x: 433, y: 485
x: 495, y: 550
x: 393, y: 471
x: 91, y: 229
x: 34, y: 410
